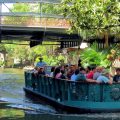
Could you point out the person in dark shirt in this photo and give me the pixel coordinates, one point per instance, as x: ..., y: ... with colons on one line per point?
x: 79, y: 63
x: 81, y: 76
x: 70, y: 72
x: 62, y: 74
x: 41, y: 71
x: 116, y: 78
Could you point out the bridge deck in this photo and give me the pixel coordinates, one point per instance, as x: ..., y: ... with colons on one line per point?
x: 28, y: 32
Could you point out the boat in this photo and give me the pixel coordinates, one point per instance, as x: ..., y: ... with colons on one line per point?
x: 72, y: 96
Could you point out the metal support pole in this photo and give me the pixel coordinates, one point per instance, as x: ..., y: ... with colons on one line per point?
x: 40, y: 13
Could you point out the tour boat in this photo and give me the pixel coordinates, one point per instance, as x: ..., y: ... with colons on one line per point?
x: 75, y: 97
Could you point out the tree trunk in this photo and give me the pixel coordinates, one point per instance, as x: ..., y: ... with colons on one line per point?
x: 106, y: 39
x: 4, y: 58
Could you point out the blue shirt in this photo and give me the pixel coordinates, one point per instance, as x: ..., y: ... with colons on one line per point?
x: 96, y: 75
x: 80, y: 77
x: 103, y: 79
x: 41, y: 64
x: 73, y: 77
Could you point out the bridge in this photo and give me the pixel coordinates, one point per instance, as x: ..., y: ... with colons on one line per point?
x: 35, y: 26
x: 38, y: 25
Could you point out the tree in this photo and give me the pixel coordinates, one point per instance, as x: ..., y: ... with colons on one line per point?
x: 3, y: 51
x: 92, y: 17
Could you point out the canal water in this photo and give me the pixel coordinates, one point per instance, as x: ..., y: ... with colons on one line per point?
x: 15, y: 105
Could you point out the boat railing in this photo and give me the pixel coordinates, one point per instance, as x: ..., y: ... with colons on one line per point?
x: 67, y: 90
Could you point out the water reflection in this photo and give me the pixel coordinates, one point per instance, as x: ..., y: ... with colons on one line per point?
x: 8, y: 113
x: 11, y: 114
x: 72, y: 117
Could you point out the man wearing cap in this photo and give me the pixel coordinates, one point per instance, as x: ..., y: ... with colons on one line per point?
x: 41, y: 63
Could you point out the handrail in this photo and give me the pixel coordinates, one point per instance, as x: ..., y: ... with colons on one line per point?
x: 82, y: 82
x: 63, y: 90
x: 33, y: 14
x: 31, y: 1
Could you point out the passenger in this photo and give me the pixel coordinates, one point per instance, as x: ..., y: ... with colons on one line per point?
x: 35, y: 71
x: 97, y: 73
x: 79, y: 63
x: 66, y: 69
x: 74, y: 76
x: 88, y: 69
x: 41, y: 63
x: 104, y: 78
x: 62, y: 67
x: 81, y: 75
x: 63, y: 74
x: 116, y: 78
x: 52, y: 71
x: 41, y: 71
x: 70, y: 72
x: 57, y: 73
x: 91, y: 73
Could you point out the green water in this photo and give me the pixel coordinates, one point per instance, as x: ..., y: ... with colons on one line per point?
x: 14, y: 105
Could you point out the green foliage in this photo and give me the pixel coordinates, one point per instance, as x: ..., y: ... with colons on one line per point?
x: 18, y: 7
x: 1, y: 63
x: 21, y: 7
x: 48, y: 8
x: 91, y: 16
x: 91, y: 56
x: 25, y: 53
x: 114, y: 53
x: 2, y: 48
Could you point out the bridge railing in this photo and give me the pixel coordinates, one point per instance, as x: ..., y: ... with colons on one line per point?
x: 35, y: 22
x: 36, y: 15
x: 66, y: 90
x: 33, y: 1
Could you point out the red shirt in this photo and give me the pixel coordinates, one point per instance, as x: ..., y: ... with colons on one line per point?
x: 90, y: 75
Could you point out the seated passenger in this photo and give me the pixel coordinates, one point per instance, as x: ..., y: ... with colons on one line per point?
x: 41, y: 71
x: 116, y: 78
x: 62, y: 74
x: 66, y: 68
x: 74, y: 76
x: 88, y: 69
x: 57, y: 73
x: 35, y: 70
x: 97, y: 73
x: 52, y: 71
x: 91, y: 73
x: 104, y: 78
x: 81, y: 75
x: 70, y: 72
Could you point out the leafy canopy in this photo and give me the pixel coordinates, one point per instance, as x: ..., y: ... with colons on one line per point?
x: 92, y: 15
